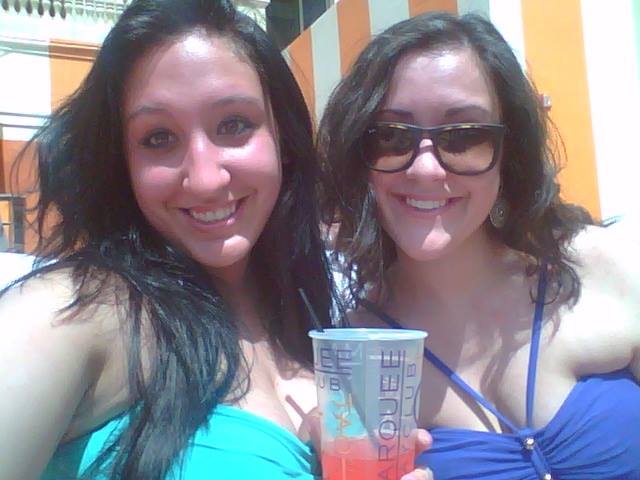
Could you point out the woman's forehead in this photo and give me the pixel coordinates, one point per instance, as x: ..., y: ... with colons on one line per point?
x: 192, y: 66
x: 441, y: 80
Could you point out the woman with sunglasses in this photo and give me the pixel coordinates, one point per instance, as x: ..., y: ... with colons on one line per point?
x: 442, y: 179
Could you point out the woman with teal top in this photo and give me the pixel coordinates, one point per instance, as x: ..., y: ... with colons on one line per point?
x: 165, y: 337
x: 442, y: 182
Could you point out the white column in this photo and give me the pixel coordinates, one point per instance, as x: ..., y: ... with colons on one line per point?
x: 325, y: 45
x: 614, y: 94
x: 384, y: 13
x: 479, y: 7
x: 506, y: 15
x: 25, y: 86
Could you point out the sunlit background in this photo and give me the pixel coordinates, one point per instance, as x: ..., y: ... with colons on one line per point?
x: 582, y: 54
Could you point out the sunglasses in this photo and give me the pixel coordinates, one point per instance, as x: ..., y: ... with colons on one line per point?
x: 461, y: 148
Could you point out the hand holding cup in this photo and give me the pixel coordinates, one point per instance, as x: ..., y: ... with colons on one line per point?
x: 368, y: 384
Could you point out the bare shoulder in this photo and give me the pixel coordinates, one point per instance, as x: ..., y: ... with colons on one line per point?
x: 41, y: 304
x: 610, y: 256
x: 49, y: 356
x: 609, y: 267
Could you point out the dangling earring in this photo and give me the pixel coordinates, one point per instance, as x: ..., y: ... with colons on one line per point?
x: 499, y: 211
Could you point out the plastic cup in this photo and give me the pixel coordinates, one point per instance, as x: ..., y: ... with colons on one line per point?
x: 368, y: 382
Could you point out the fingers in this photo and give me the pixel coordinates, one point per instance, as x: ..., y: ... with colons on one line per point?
x: 311, y: 422
x: 419, y: 474
x: 423, y: 441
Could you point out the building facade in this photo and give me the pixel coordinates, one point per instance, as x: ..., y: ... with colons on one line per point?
x: 583, y: 55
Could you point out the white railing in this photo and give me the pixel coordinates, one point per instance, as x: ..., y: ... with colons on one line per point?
x: 65, y: 8
x: 110, y: 8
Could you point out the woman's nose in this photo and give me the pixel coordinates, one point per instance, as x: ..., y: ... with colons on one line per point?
x: 205, y: 170
x: 426, y: 164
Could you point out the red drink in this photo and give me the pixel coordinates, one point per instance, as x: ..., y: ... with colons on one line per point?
x: 362, y: 462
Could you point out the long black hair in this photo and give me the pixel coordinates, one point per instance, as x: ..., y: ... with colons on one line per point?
x: 538, y: 224
x: 89, y: 222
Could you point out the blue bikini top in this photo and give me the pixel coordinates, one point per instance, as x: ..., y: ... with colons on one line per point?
x: 594, y: 435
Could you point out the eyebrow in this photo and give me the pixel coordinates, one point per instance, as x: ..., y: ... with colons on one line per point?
x: 450, y: 112
x: 155, y: 108
x: 467, y: 109
x: 397, y: 112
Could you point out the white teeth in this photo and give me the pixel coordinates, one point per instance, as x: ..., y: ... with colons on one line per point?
x: 426, y: 204
x: 215, y: 215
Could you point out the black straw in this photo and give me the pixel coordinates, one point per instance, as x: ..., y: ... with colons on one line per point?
x: 345, y: 384
x: 314, y: 317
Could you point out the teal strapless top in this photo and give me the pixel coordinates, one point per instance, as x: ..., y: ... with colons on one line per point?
x: 234, y: 444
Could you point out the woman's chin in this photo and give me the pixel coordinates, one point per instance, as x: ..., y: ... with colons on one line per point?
x: 431, y: 249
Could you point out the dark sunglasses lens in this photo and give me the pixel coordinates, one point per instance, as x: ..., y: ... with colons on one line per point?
x: 467, y: 149
x: 388, y: 147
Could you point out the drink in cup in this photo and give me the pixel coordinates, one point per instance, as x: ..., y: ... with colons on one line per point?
x: 368, y: 384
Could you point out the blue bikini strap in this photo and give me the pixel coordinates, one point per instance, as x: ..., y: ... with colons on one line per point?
x: 458, y: 381
x: 535, y: 341
x: 440, y: 365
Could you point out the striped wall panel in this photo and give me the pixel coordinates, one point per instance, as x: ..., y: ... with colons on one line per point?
x: 583, y: 54
x: 325, y: 51
x: 611, y: 37
x: 555, y: 53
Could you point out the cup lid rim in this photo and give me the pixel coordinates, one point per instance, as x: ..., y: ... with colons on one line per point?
x: 362, y: 334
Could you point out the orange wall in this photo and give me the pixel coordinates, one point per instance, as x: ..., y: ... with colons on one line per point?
x: 302, y: 66
x: 354, y: 30
x: 416, y: 7
x: 556, y: 60
x: 69, y: 63
x: 9, y: 152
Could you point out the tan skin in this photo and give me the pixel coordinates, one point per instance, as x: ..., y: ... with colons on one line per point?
x: 472, y: 294
x: 61, y: 377
x: 487, y: 341
x: 78, y: 379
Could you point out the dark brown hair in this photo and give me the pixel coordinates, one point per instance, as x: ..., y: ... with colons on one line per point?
x: 539, y: 223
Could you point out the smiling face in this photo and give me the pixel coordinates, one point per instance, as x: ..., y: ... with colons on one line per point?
x: 201, y: 149
x: 426, y: 210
